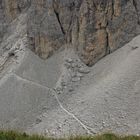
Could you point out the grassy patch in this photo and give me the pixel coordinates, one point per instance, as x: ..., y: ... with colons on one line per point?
x: 10, y: 135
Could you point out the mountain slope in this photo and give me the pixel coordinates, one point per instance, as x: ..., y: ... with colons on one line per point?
x: 107, y: 99
x: 61, y: 95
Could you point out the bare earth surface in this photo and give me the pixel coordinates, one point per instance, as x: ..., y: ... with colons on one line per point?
x: 61, y: 96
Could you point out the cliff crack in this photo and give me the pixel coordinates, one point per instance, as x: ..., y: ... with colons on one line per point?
x: 108, y: 51
x: 137, y: 11
x: 58, y: 19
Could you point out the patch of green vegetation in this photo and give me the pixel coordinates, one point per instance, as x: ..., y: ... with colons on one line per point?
x: 10, y: 135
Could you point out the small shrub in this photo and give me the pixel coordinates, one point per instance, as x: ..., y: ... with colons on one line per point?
x: 11, y: 135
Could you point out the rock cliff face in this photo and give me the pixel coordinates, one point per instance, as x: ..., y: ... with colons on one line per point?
x: 10, y: 10
x: 93, y: 27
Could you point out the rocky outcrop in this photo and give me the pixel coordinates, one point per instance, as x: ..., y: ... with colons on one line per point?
x: 93, y: 27
x: 15, y: 7
x: 9, y: 11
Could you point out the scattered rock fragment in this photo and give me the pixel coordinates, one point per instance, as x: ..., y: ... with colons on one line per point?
x: 134, y: 47
x: 80, y: 75
x: 38, y: 120
x: 11, y: 53
x: 84, y: 70
x: 76, y: 79
x: 69, y: 60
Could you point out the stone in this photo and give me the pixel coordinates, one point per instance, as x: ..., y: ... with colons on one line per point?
x: 38, y: 120
x: 69, y: 60
x: 73, y: 65
x: 71, y: 89
x: 76, y: 79
x: 79, y: 75
x: 134, y: 47
x: 11, y: 53
x: 84, y: 70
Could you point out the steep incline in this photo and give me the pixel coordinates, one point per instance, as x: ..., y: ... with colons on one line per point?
x: 107, y: 99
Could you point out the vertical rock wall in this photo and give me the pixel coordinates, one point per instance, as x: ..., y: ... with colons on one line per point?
x: 93, y: 27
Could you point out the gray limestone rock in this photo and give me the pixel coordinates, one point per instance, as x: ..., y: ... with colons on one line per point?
x: 93, y: 27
